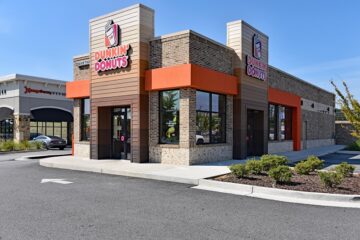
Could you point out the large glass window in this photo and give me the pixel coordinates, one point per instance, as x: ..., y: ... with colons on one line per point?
x: 210, y: 118
x: 85, y: 119
x: 273, y: 122
x: 169, y: 117
x: 285, y: 115
x: 280, y: 123
x: 6, y: 129
x: 59, y: 129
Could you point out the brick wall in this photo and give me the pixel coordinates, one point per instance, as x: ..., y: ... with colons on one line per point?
x: 81, y: 72
x: 286, y: 82
x: 183, y: 48
x: 190, y: 47
x: 187, y: 152
x: 318, y: 116
x: 81, y: 148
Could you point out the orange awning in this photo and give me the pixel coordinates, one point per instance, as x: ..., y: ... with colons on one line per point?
x: 190, y: 76
x: 78, y: 89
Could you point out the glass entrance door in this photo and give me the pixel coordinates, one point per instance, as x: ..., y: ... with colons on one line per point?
x: 121, y: 135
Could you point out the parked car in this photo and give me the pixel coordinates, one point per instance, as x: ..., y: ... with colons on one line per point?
x: 51, y: 141
x: 199, y: 139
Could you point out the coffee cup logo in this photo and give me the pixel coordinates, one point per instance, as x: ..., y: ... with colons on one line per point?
x: 111, y: 34
x: 257, y: 46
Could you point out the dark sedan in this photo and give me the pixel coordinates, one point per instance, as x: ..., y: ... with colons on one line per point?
x: 51, y: 141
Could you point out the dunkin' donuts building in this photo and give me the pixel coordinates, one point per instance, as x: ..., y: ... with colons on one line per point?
x: 183, y: 98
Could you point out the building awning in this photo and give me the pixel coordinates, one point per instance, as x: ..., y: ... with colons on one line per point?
x: 51, y: 115
x: 78, y: 89
x: 190, y: 76
x: 6, y: 113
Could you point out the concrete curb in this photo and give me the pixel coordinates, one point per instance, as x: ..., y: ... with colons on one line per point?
x: 120, y: 173
x: 320, y: 199
x: 22, y: 151
x: 24, y: 158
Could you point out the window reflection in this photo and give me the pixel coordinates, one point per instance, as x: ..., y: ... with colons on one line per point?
x: 169, y: 117
x: 210, y: 118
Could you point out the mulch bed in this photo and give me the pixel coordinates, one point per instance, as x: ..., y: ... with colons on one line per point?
x: 307, y: 183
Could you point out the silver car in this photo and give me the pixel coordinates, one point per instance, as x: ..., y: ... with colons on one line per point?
x: 51, y: 141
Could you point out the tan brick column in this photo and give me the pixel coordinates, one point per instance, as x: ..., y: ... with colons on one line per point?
x: 187, y: 118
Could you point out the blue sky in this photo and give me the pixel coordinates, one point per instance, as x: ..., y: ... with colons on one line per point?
x: 317, y: 41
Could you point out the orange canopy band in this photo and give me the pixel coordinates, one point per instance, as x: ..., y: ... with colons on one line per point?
x: 284, y: 98
x: 78, y: 89
x: 192, y: 76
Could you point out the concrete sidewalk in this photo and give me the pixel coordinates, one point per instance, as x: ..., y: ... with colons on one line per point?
x: 155, y: 171
x: 172, y: 173
x: 318, y: 151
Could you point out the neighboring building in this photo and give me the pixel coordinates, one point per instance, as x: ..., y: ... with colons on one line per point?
x: 30, y: 106
x: 183, y: 98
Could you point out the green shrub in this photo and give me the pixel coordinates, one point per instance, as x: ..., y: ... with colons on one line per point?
x: 239, y: 170
x: 26, y: 144
x: 355, y: 146
x: 309, y: 165
x: 303, y: 168
x: 281, y: 174
x: 345, y: 169
x: 253, y: 166
x: 315, y: 162
x: 8, y: 145
x: 39, y: 145
x: 330, y: 179
x: 269, y: 161
x: 19, y: 146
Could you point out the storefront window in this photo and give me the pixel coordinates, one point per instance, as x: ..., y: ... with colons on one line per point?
x: 50, y: 128
x: 7, y: 129
x: 280, y: 123
x: 169, y: 117
x: 285, y: 114
x: 273, y: 123
x: 210, y: 118
x: 59, y: 129
x: 85, y: 119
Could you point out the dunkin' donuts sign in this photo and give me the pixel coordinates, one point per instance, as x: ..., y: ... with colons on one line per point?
x: 116, y: 55
x: 254, y: 66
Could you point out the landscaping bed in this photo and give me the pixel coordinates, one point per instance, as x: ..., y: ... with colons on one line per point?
x: 307, y: 183
x: 273, y: 171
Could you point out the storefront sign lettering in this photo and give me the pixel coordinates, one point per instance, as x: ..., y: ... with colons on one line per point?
x: 115, y: 56
x: 112, y: 58
x: 31, y: 90
x: 256, y: 68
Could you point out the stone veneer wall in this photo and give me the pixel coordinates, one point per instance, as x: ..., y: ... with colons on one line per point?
x: 187, y: 152
x: 21, y: 127
x: 318, y: 122
x: 280, y: 146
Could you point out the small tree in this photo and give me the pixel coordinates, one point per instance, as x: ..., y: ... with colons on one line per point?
x: 350, y: 108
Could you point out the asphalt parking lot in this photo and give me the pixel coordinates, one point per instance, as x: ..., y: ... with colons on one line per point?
x: 80, y: 205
